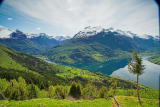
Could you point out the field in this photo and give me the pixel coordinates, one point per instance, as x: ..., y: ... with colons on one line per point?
x: 124, y: 101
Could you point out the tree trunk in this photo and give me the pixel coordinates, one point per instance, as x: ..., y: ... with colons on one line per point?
x: 138, y: 90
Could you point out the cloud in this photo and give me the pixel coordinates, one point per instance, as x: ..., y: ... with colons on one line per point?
x: 38, y: 28
x: 10, y: 18
x: 138, y: 16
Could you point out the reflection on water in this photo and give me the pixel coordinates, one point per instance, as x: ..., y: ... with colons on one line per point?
x: 149, y: 78
x: 105, y: 67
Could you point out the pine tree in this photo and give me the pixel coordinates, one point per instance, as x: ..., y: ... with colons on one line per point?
x: 136, y: 68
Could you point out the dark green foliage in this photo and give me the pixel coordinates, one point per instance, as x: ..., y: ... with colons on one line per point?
x: 51, y: 91
x: 90, y: 91
x: 3, y: 85
x: 75, y: 90
x: 13, y: 92
x: 30, y: 68
x: 22, y: 88
x: 33, y: 91
x: 103, y: 92
x: 60, y: 92
x: 18, y: 90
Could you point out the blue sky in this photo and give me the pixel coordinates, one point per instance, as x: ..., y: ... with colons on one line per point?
x: 67, y: 17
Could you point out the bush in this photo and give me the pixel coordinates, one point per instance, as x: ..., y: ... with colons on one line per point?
x: 3, y: 85
x: 103, y: 92
x: 90, y: 91
x: 51, y: 91
x: 60, y: 92
x: 22, y: 88
x: 75, y: 90
x: 13, y: 92
x: 33, y: 91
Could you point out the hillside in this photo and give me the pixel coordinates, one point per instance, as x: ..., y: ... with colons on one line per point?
x: 14, y: 64
x: 92, y: 47
x: 155, y: 58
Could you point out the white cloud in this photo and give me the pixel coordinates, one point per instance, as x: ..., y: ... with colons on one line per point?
x: 138, y: 16
x: 10, y: 18
x: 38, y: 28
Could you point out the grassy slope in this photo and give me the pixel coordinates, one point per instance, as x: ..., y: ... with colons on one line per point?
x: 14, y: 64
x: 124, y: 101
x: 81, y: 51
x: 155, y: 58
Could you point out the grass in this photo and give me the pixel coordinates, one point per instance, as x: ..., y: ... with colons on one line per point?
x: 47, y: 102
x: 124, y: 101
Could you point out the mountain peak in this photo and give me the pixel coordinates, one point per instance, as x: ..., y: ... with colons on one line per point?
x: 88, y: 31
x: 18, y: 35
x: 92, y: 31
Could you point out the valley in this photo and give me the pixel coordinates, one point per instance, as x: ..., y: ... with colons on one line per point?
x: 96, y: 64
x: 79, y: 53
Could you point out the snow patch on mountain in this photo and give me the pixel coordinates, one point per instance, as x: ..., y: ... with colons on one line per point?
x: 92, y: 31
x: 88, y: 31
x: 62, y: 38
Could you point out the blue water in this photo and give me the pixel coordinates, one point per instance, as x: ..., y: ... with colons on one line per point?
x: 149, y: 78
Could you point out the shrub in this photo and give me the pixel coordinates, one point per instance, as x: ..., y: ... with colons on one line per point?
x: 33, y: 91
x: 51, y: 91
x: 103, y: 92
x: 90, y: 91
x: 75, y: 90
x: 3, y: 85
x: 60, y: 92
x: 13, y: 92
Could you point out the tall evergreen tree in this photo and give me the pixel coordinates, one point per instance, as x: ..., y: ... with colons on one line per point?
x: 136, y: 67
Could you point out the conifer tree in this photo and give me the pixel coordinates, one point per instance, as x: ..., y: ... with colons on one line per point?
x: 136, y: 68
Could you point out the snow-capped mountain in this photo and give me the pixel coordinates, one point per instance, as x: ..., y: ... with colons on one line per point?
x: 92, y: 31
x: 5, y: 32
x: 31, y: 35
x: 62, y: 38
x: 88, y: 31
x: 26, y: 42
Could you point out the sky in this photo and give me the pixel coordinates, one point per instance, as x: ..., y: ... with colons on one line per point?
x: 67, y: 17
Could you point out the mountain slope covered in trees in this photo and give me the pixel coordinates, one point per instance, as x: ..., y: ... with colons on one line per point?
x: 26, y: 77
x: 14, y: 64
x: 89, y: 49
